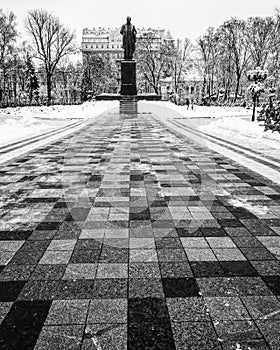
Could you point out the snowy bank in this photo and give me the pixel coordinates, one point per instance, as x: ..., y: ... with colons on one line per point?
x: 84, y: 111
x: 245, y: 133
x: 21, y: 122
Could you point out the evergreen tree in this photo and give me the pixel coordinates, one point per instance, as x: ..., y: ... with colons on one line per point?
x: 32, y: 84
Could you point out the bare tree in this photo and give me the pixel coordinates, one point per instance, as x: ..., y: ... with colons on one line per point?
x: 180, y: 60
x: 274, y: 61
x: 233, y: 35
x: 260, y: 36
x: 52, y: 41
x: 208, y: 48
x: 8, y: 36
x: 153, y: 61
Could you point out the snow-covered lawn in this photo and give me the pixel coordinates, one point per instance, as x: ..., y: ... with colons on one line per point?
x: 245, y: 133
x: 202, y: 111
x: 21, y: 122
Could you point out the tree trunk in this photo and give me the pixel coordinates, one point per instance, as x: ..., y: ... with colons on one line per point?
x: 254, y: 107
x: 238, y: 77
x: 49, y: 89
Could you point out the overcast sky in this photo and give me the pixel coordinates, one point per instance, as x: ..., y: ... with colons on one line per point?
x: 184, y: 18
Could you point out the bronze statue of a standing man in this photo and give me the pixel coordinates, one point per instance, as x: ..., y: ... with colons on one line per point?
x: 128, y: 32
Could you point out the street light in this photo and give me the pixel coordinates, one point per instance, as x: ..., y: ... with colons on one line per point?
x: 256, y: 76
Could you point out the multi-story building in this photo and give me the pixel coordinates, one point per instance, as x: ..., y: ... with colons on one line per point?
x: 108, y: 42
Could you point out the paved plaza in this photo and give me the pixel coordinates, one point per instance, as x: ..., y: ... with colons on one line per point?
x: 126, y: 235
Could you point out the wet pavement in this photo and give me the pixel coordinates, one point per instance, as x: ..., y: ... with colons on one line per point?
x: 129, y: 236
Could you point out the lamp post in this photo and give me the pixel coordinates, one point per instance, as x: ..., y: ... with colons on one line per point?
x: 256, y: 76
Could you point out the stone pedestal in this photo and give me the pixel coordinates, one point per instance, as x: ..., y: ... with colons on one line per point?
x: 128, y: 78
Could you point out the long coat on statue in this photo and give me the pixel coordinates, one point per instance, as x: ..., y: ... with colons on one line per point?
x: 128, y: 32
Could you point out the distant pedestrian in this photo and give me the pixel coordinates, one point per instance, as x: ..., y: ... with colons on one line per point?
x: 192, y: 104
x: 187, y: 102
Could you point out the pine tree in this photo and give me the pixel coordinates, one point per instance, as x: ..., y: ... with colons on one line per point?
x: 32, y: 84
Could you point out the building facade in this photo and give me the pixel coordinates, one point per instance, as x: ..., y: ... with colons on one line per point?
x: 108, y: 42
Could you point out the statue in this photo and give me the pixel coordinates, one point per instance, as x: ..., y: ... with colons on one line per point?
x: 128, y: 32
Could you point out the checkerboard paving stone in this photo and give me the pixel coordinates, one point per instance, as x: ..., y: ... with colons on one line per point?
x: 124, y: 236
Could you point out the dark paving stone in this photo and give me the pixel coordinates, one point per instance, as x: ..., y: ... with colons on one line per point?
x: 238, y: 268
x: 149, y: 325
x: 27, y: 257
x: 213, y: 232
x: 32, y: 245
x: 273, y: 283
x: 180, y: 287
x: 50, y: 226
x: 148, y: 336
x: 184, y: 232
x: 207, y: 269
x: 10, y: 290
x: 14, y: 235
x: 22, y: 325
x: 83, y: 256
x: 168, y: 243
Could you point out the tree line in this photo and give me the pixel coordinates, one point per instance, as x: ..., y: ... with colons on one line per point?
x: 229, y: 51
x: 222, y: 57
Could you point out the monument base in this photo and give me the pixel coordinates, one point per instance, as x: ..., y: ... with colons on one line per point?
x: 128, y: 78
x: 128, y: 105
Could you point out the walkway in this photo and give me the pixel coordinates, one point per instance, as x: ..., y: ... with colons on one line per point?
x: 127, y: 236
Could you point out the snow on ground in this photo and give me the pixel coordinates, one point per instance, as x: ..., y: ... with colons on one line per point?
x: 83, y: 111
x: 18, y: 128
x: 203, y: 111
x: 245, y: 133
x: 22, y: 122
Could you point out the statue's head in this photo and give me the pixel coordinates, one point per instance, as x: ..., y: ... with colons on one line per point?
x: 128, y: 19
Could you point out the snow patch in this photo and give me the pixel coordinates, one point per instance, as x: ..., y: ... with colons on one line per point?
x: 243, y: 203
